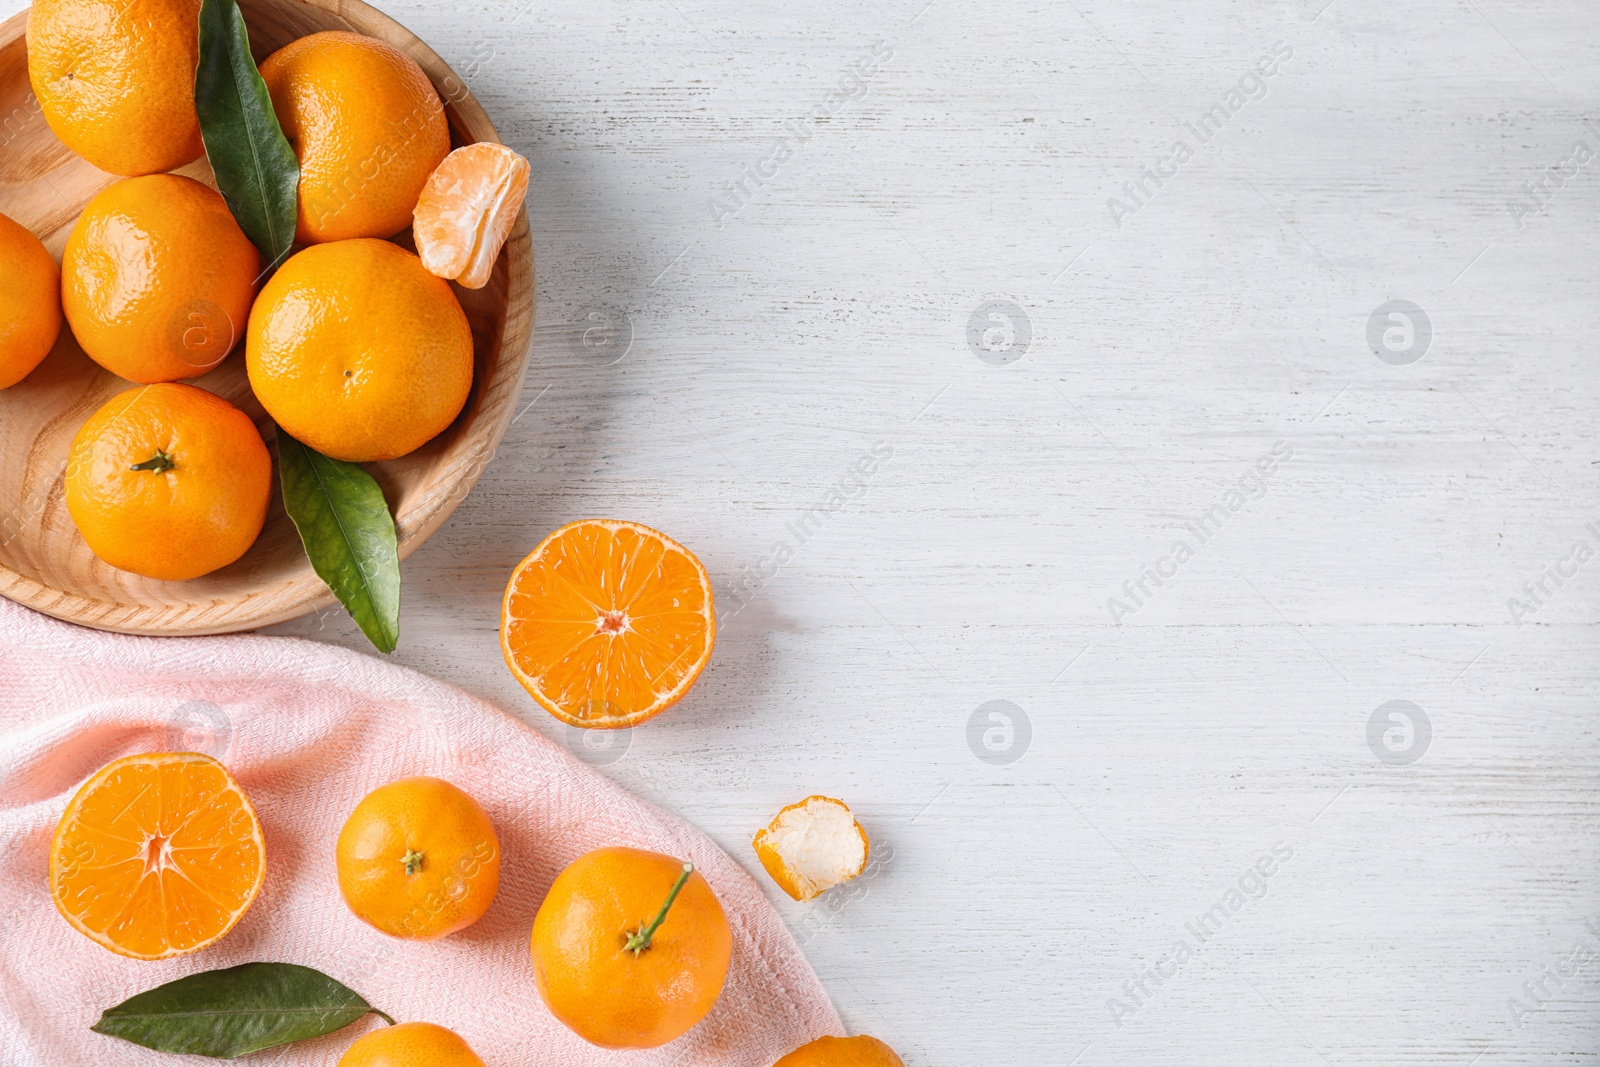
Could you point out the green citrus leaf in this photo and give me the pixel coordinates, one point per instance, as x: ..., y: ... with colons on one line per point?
x: 255, y: 166
x: 236, y: 1010
x: 348, y: 533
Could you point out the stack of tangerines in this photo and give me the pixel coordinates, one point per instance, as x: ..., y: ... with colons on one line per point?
x: 355, y: 346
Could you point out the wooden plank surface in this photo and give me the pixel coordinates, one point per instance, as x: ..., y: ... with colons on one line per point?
x: 1384, y: 895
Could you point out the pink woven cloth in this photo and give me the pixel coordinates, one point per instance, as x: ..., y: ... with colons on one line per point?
x: 308, y: 730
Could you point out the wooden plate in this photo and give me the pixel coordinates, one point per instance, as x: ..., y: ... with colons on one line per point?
x: 44, y: 562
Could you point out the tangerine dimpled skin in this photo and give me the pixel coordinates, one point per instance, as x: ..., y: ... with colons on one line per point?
x: 368, y: 128
x: 357, y: 351
x: 860, y: 1051
x: 410, y: 1045
x: 115, y: 79
x: 418, y: 859
x: 157, y: 278
x: 30, y: 302
x: 168, y: 481
x: 610, y: 996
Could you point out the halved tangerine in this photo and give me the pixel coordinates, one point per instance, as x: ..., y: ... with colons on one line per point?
x: 607, y: 623
x: 157, y: 855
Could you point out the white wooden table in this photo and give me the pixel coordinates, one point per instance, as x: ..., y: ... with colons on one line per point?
x: 1137, y: 350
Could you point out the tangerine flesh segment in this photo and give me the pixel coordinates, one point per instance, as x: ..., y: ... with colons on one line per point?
x: 467, y: 209
x: 607, y: 623
x: 157, y: 855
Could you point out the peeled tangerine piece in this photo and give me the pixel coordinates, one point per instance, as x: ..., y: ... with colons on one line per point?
x: 812, y: 846
x: 467, y: 209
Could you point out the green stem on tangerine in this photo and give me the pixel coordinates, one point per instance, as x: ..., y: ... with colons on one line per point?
x: 156, y: 463
x: 413, y: 861
x: 386, y: 1017
x: 639, y: 940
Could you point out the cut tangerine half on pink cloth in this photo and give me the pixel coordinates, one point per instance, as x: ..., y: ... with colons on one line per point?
x: 467, y: 209
x: 157, y: 855
x: 307, y: 730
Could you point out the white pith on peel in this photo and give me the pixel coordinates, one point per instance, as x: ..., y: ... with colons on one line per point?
x: 819, y: 843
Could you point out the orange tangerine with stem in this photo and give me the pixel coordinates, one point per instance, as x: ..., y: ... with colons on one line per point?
x: 419, y: 859
x: 630, y: 948
x: 168, y: 481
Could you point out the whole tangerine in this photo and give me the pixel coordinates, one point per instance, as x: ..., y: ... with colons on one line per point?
x: 611, y: 973
x: 418, y: 859
x: 157, y: 278
x: 168, y: 481
x: 115, y: 79
x: 410, y: 1045
x: 860, y: 1051
x: 367, y: 126
x: 30, y: 302
x: 357, y: 351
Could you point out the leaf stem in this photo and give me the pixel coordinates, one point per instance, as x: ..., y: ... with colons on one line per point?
x: 639, y: 940
x: 382, y: 1015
